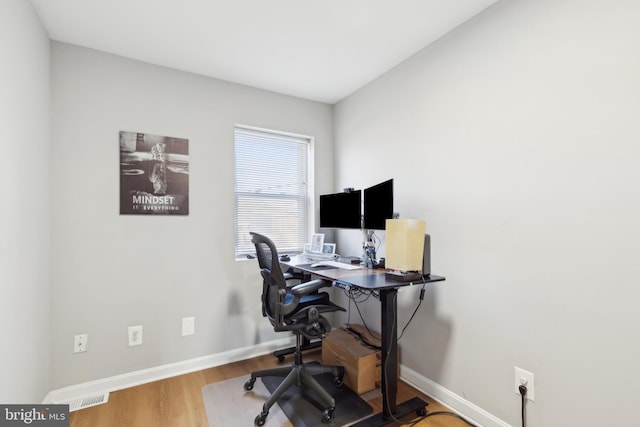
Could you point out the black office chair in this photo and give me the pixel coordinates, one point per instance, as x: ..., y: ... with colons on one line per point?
x: 297, y: 309
x: 291, y: 278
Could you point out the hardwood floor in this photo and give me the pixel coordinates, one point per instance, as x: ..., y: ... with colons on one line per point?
x: 177, y: 401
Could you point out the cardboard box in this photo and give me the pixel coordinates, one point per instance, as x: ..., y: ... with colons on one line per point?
x: 362, y: 363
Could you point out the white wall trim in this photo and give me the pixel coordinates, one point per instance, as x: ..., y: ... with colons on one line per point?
x: 131, y: 379
x: 461, y: 406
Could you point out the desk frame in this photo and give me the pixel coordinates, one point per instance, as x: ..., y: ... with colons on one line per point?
x: 374, y: 280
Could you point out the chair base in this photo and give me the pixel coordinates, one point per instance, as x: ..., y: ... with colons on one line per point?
x: 298, y: 374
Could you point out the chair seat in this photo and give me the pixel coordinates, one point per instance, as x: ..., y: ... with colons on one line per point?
x: 320, y: 298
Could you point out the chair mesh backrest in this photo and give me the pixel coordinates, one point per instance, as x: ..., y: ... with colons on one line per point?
x: 273, y: 278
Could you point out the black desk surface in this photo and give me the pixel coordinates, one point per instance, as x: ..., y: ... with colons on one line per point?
x: 380, y: 281
x: 366, y: 278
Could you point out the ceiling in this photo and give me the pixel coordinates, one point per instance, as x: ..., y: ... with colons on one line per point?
x: 321, y: 50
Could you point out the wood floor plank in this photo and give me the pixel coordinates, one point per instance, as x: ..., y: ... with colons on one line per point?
x: 177, y: 401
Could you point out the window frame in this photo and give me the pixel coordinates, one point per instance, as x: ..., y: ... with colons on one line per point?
x: 309, y: 221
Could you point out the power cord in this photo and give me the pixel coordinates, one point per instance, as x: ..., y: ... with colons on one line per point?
x: 353, y: 294
x: 414, y: 311
x: 523, y: 395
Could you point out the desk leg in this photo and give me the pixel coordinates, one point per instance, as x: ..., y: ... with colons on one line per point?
x: 389, y: 303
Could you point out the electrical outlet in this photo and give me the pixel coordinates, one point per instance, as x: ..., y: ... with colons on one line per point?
x: 80, y: 343
x: 135, y: 335
x: 524, y: 377
x: 188, y: 326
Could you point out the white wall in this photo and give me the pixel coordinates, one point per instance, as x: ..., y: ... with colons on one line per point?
x: 112, y: 271
x: 516, y: 137
x: 24, y: 215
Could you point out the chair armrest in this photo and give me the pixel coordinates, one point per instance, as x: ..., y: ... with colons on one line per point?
x: 310, y: 287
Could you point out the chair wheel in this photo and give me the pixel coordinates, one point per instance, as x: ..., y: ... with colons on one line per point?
x: 280, y: 358
x: 248, y: 386
x: 421, y: 412
x: 327, y: 415
x: 261, y: 419
x: 339, y: 380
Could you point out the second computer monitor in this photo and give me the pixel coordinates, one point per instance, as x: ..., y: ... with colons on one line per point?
x: 378, y: 205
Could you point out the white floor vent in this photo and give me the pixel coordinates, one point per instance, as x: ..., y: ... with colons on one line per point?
x: 86, y: 402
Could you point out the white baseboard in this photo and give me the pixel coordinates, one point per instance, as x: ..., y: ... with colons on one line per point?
x: 144, y: 376
x: 461, y: 406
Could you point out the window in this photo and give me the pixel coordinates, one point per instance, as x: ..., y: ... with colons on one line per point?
x: 271, y: 189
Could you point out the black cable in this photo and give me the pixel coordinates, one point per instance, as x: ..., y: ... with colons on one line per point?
x: 523, y: 394
x: 378, y: 243
x: 352, y: 298
x: 352, y: 295
x: 414, y: 311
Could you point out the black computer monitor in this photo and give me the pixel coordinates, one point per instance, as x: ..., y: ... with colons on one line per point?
x: 378, y: 205
x: 341, y: 210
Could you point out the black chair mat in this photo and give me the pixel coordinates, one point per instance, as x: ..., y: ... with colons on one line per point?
x: 303, y: 406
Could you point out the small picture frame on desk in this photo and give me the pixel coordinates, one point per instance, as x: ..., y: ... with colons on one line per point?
x: 317, y: 242
x: 329, y: 248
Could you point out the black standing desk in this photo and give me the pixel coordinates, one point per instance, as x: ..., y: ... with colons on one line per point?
x: 375, y: 280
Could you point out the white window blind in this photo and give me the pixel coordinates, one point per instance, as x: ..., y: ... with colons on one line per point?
x: 271, y: 194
